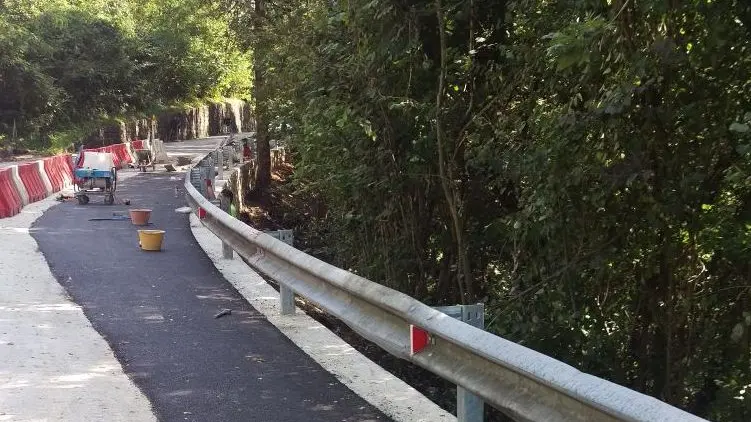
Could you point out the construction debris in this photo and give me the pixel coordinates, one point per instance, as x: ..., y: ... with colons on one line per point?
x: 223, y: 313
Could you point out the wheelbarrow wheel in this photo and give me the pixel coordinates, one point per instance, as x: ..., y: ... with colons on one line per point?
x: 109, y: 199
x: 83, y: 199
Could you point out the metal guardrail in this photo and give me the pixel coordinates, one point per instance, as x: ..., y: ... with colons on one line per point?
x: 522, y: 383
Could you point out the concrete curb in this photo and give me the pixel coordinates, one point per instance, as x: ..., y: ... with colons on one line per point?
x: 378, y: 387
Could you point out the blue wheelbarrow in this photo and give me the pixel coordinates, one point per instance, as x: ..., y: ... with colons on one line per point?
x: 95, y: 174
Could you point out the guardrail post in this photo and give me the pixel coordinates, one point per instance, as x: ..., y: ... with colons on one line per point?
x: 469, y: 407
x: 202, y: 178
x: 208, y: 169
x: 214, y: 166
x: 210, y: 176
x: 227, y: 251
x: 220, y: 166
x: 286, y: 295
x: 287, y: 299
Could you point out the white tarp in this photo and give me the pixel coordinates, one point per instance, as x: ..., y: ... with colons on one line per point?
x: 97, y: 160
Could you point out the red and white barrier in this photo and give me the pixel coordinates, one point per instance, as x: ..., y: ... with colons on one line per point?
x: 10, y: 200
x: 132, y: 150
x: 43, y: 175
x: 32, y: 181
x: 20, y: 188
x: 121, y: 152
x: 59, y: 169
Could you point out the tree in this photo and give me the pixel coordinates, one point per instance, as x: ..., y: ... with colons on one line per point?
x: 90, y: 58
x: 256, y: 24
x: 30, y: 97
x: 263, y: 170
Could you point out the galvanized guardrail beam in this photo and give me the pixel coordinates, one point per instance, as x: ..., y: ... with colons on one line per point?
x: 524, y: 384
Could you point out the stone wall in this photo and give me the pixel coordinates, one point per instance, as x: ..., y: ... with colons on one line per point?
x: 192, y: 123
x: 209, y: 120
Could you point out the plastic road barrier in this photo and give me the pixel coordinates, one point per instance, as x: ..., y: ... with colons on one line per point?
x: 10, y: 200
x: 32, y: 181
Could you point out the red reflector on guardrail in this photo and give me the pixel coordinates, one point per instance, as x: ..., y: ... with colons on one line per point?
x: 210, y: 189
x: 201, y: 213
x: 419, y: 339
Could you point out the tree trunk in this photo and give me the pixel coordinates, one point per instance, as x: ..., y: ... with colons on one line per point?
x: 263, y: 169
x: 447, y: 175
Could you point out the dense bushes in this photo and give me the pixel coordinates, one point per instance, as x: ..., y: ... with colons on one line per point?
x: 582, y: 167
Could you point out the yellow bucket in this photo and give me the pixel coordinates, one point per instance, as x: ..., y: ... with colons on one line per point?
x: 150, y: 240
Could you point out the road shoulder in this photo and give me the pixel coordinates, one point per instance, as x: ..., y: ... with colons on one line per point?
x: 53, y: 363
x: 378, y: 387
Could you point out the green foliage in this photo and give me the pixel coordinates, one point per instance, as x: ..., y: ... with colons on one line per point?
x: 67, y: 64
x: 190, y: 39
x: 30, y: 97
x: 594, y: 169
x: 68, y: 139
x: 91, y: 63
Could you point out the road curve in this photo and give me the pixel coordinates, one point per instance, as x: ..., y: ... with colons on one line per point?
x: 156, y: 310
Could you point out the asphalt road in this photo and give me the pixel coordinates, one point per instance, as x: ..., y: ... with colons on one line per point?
x: 156, y: 310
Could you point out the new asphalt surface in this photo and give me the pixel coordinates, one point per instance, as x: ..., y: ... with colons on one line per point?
x: 156, y: 310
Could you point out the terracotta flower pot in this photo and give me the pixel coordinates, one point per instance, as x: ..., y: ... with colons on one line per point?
x: 140, y: 217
